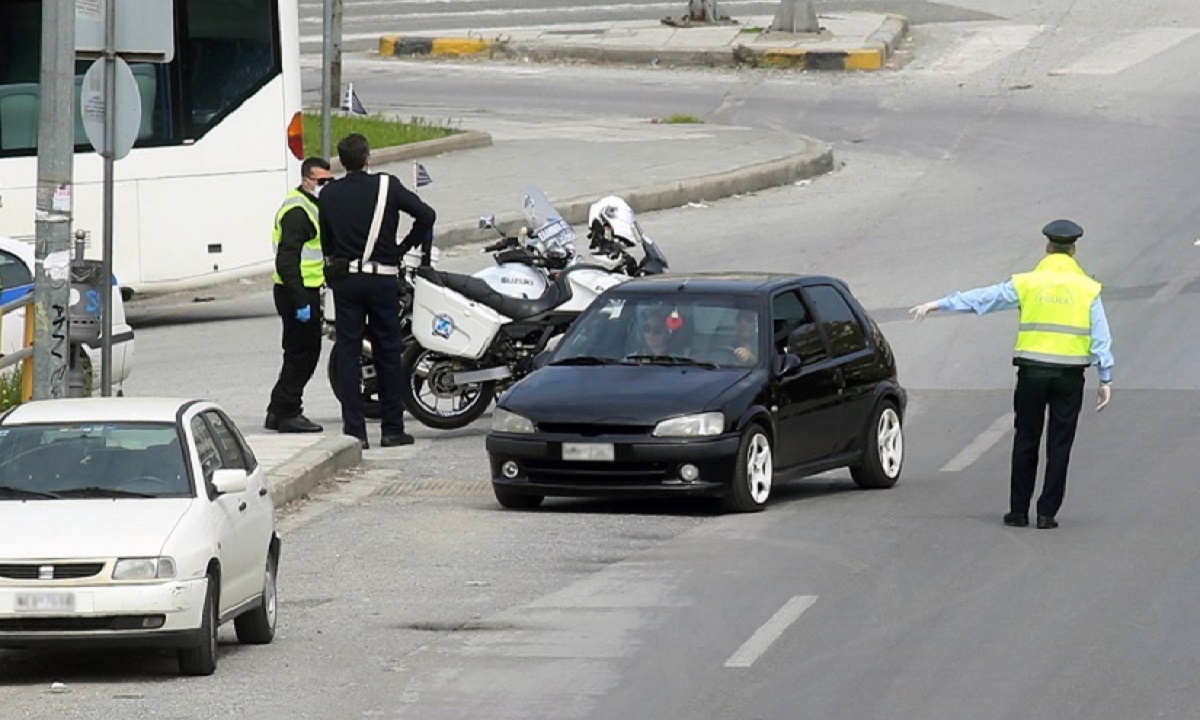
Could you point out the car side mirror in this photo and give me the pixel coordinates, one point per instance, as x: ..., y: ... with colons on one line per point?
x: 544, y: 356
x: 229, y: 480
x: 787, y: 364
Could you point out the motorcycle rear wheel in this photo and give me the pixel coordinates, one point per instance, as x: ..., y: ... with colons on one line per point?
x: 432, y: 398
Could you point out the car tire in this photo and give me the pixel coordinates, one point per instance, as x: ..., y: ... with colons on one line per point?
x: 369, y: 388
x: 257, y: 626
x: 515, y: 500
x: 883, y: 449
x: 201, y: 658
x: 754, y: 475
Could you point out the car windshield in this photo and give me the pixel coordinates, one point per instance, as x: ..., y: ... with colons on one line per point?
x: 669, y: 329
x: 92, y: 460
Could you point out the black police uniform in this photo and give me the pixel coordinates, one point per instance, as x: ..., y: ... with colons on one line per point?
x: 370, y: 291
x: 1042, y: 386
x: 301, y: 340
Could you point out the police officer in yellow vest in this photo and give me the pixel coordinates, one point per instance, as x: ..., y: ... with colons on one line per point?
x: 299, y: 275
x: 1063, y: 330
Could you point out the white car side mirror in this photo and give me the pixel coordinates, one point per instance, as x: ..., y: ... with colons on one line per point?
x: 229, y: 481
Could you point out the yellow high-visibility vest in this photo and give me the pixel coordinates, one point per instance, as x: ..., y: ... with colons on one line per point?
x: 1056, y: 312
x: 312, y: 262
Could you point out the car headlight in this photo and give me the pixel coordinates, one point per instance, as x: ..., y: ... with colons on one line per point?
x: 155, y: 568
x: 698, y: 425
x: 510, y: 422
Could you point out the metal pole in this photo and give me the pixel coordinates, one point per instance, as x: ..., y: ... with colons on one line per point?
x: 327, y: 79
x: 55, y: 194
x: 110, y: 143
x: 335, y: 62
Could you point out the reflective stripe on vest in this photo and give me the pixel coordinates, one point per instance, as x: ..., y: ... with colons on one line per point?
x: 1056, y: 312
x: 312, y: 262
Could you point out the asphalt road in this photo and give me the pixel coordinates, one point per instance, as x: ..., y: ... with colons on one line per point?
x: 405, y: 592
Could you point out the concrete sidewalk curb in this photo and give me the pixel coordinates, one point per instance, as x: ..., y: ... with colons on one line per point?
x: 426, y: 148
x: 872, y: 55
x: 816, y: 160
x: 303, y: 471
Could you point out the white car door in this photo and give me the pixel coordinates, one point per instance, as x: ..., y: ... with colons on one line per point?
x: 227, y: 520
x: 258, y: 518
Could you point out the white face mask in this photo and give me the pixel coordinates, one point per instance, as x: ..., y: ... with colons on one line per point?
x: 316, y: 191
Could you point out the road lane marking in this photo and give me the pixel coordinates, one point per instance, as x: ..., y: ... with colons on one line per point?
x: 980, y: 444
x: 1128, y: 51
x: 983, y: 48
x: 770, y: 631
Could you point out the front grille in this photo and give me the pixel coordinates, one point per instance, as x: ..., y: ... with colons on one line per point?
x: 62, y: 571
x: 619, y: 473
x: 82, y: 624
x: 591, y: 431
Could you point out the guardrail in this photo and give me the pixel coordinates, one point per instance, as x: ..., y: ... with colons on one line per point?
x: 25, y: 354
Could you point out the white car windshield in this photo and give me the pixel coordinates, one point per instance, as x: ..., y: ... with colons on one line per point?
x: 117, y: 460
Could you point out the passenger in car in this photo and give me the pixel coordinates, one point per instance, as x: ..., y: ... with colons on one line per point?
x: 746, y: 345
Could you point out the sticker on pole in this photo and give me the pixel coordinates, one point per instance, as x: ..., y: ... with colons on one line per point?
x: 127, y: 107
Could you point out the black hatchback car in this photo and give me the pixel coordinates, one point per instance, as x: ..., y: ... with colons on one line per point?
x: 707, y: 384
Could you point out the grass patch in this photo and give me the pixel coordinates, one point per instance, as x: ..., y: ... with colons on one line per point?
x: 379, y: 131
x: 750, y: 31
x: 679, y: 119
x: 10, y: 387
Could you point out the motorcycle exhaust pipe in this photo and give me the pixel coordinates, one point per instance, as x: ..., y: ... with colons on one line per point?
x: 477, y: 376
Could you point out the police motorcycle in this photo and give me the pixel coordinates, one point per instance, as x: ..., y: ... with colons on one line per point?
x: 477, y: 334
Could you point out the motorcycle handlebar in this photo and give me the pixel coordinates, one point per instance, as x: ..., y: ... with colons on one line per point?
x: 499, y: 245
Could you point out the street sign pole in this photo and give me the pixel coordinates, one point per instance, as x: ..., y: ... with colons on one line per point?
x: 55, y: 193
x: 108, y: 152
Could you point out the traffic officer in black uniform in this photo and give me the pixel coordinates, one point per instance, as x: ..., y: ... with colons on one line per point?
x: 1063, y: 330
x: 364, y: 273
x: 299, y: 275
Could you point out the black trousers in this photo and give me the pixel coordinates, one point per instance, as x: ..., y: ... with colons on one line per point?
x: 359, y: 299
x: 301, y: 353
x: 1059, y: 390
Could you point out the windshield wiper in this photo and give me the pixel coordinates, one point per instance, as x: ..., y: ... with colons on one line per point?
x: 585, y: 360
x: 669, y: 360
x: 25, y: 492
x: 97, y: 491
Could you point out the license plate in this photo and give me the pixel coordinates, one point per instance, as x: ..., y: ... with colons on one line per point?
x: 592, y: 452
x: 45, y: 602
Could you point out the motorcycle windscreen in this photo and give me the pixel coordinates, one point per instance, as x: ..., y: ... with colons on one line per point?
x: 552, y: 235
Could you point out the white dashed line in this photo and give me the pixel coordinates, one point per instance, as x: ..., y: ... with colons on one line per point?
x: 980, y: 444
x: 761, y: 640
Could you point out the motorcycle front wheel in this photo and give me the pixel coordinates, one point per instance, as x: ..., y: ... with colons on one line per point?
x: 368, y: 384
x: 431, y: 396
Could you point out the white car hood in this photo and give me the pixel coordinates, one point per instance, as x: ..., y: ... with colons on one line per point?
x: 102, y: 528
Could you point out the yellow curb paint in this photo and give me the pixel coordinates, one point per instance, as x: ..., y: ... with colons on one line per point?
x: 786, y: 57
x: 865, y: 59
x: 387, y: 44
x: 459, y: 46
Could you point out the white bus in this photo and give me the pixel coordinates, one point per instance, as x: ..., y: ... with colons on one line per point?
x: 219, y: 144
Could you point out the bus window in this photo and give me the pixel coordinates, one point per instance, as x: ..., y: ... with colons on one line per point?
x: 230, y: 55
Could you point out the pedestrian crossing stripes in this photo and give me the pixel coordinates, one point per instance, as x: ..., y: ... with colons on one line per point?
x: 1127, y: 51
x: 981, y: 49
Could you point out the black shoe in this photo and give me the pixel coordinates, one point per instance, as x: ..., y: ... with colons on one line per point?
x: 397, y: 440
x: 272, y: 422
x: 1013, y: 519
x: 362, y: 443
x: 1046, y: 523
x: 298, y: 424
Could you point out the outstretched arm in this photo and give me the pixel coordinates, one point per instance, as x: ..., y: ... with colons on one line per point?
x: 981, y: 301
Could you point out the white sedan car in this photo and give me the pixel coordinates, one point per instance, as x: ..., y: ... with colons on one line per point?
x: 133, y: 521
x: 16, y: 280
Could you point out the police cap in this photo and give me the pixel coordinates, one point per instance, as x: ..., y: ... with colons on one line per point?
x: 1062, y: 231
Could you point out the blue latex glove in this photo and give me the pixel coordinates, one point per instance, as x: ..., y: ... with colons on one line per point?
x: 304, y: 314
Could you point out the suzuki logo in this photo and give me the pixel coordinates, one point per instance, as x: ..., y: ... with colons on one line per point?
x: 45, y: 572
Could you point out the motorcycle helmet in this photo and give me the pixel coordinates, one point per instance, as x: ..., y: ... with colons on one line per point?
x: 611, y: 218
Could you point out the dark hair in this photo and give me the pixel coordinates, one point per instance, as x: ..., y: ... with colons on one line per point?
x: 1053, y: 248
x: 309, y: 164
x: 353, y: 151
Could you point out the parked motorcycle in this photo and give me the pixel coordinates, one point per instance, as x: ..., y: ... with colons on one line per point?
x: 476, y: 334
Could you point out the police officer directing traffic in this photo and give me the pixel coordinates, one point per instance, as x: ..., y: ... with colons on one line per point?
x: 299, y: 275
x: 1063, y: 330
x: 360, y: 217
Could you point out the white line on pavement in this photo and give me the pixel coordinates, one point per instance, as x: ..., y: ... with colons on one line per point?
x: 770, y: 631
x: 1128, y: 51
x: 980, y: 444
